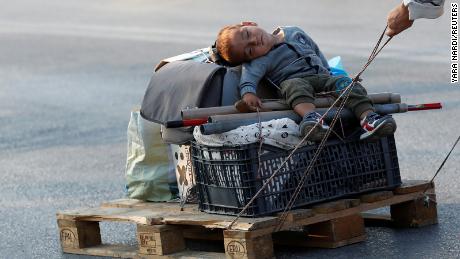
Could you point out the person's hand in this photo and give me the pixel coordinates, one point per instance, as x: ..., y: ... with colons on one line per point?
x: 398, y: 20
x: 252, y: 100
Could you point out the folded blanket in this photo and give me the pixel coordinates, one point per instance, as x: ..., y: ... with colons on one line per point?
x: 283, y: 133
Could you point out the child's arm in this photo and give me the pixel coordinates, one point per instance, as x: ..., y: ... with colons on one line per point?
x: 318, y: 52
x: 251, y: 74
x: 320, y: 55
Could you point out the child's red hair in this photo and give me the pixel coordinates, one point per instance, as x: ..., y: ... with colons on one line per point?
x: 223, y: 43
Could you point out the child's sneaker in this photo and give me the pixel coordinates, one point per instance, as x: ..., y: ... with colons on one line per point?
x: 308, y: 122
x: 376, y: 126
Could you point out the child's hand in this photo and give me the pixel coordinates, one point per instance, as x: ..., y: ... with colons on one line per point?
x: 252, y: 100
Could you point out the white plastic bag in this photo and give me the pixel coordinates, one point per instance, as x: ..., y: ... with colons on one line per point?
x: 147, y: 164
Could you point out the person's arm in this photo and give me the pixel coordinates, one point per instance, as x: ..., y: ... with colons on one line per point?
x: 317, y: 51
x: 430, y: 9
x: 321, y: 55
x: 251, y: 74
x: 402, y: 16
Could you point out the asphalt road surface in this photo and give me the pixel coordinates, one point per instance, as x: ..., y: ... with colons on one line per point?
x: 71, y: 71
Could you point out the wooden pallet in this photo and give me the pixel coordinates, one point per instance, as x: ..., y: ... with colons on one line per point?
x: 162, y: 227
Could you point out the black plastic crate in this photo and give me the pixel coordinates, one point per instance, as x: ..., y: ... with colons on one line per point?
x: 227, y: 177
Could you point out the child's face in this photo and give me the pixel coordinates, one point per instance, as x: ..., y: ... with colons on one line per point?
x: 250, y: 42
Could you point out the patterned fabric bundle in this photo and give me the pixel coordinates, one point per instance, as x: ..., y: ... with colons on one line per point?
x: 283, y: 133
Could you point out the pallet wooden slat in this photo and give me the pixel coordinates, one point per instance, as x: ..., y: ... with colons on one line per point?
x: 410, y: 186
x: 112, y: 250
x: 376, y: 196
x: 334, y: 206
x: 156, y: 216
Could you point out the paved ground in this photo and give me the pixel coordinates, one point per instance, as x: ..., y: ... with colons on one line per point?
x: 71, y: 71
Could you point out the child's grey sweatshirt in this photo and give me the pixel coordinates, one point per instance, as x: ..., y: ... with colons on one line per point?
x: 298, y: 56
